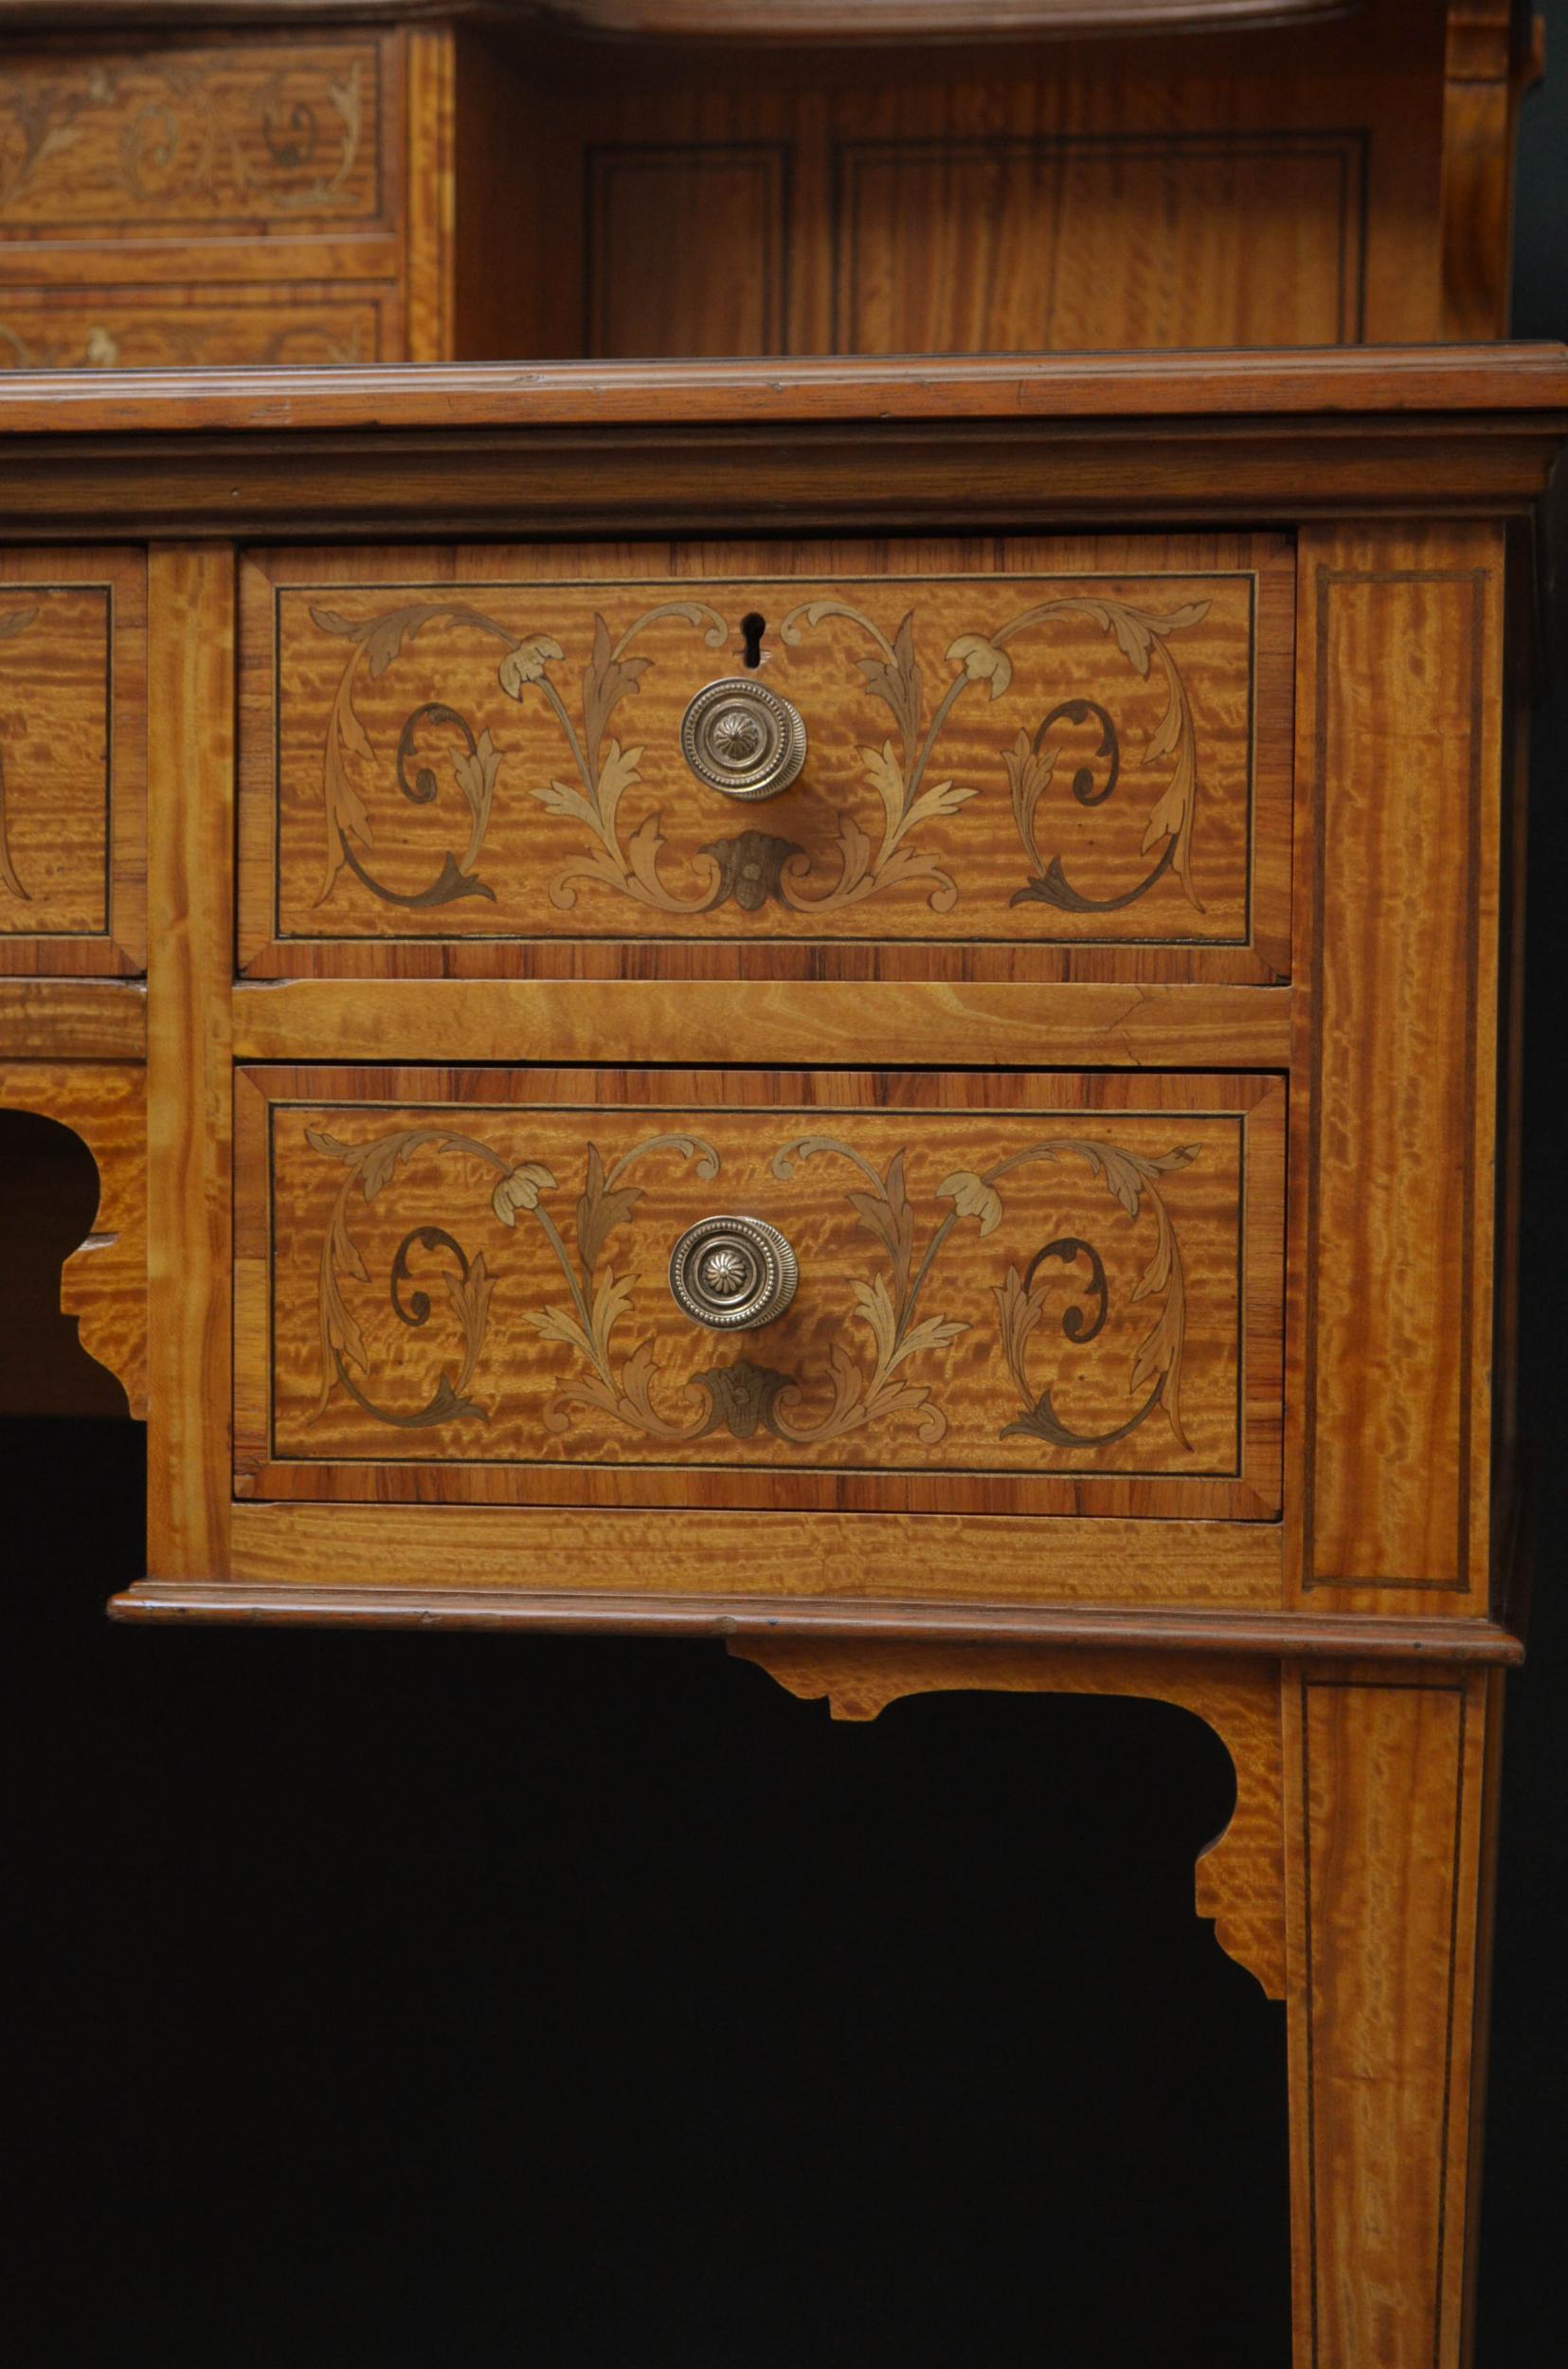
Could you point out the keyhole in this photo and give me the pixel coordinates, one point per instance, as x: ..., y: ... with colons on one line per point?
x: 752, y: 630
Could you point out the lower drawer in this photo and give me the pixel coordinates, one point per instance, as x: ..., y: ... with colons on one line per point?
x: 1012, y: 1293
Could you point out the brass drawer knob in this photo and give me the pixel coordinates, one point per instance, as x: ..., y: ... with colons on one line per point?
x: 733, y: 1274
x: 742, y: 738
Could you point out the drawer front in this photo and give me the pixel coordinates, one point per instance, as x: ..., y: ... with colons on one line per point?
x: 73, y: 753
x: 206, y: 139
x: 185, y: 328
x: 1032, y: 760
x: 1014, y: 1295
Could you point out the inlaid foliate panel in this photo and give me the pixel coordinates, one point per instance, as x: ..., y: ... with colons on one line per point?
x: 208, y: 136
x: 1051, y: 1288
x: 999, y: 760
x: 72, y: 760
x: 179, y: 328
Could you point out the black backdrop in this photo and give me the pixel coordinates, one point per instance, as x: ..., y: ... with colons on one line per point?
x: 395, y: 2001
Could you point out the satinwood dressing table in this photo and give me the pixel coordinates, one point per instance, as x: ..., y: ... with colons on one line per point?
x: 864, y: 1008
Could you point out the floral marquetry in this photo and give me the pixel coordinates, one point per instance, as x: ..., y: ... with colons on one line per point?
x: 1050, y: 1294
x: 1013, y: 762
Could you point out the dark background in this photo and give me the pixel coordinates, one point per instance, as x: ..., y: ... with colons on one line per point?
x: 393, y: 2001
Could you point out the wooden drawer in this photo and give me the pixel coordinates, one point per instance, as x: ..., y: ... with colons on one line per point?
x: 179, y: 327
x: 185, y: 145
x: 1018, y: 1293
x: 1026, y: 759
x: 73, y: 761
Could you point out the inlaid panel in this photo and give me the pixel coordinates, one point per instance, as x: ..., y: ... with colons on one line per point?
x: 72, y: 760
x: 1007, y: 766
x: 205, y: 138
x: 180, y: 328
x: 1014, y: 1293
x: 1085, y: 237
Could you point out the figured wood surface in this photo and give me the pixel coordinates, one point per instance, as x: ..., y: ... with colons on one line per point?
x: 1239, y: 1877
x: 1399, y: 725
x: 152, y: 142
x: 967, y: 1566
x: 1315, y: 391
x: 1051, y: 751
x: 1074, y: 1282
x: 103, y: 1284
x: 430, y: 264
x: 726, y: 449
x: 73, y: 743
x: 273, y: 197
x: 175, y: 326
x: 1277, y: 188
x: 1084, y: 1025
x: 190, y: 870
x: 295, y: 1602
x: 1487, y: 65
x: 73, y: 1018
x: 1387, y: 1782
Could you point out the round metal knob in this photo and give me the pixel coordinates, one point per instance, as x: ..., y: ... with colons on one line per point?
x: 740, y: 737
x: 733, y: 1274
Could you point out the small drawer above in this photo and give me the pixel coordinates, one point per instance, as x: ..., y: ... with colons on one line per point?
x: 152, y: 146
x: 999, y: 760
x: 925, y: 1292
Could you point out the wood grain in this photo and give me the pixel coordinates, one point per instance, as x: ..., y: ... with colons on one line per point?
x: 430, y: 259
x: 191, y: 960
x: 220, y: 136
x: 1142, y: 716
x: 682, y: 451
x: 1386, y: 1779
x: 1239, y: 1877
x: 1138, y: 1215
x: 271, y: 197
x: 1264, y: 245
x: 1266, y: 188
x: 1488, y: 66
x: 73, y: 1020
x: 305, y: 1603
x: 1330, y: 399
x: 73, y: 741
x: 983, y: 1565
x: 103, y: 1284
x: 1400, y: 760
x: 179, y: 327
x: 1084, y: 1025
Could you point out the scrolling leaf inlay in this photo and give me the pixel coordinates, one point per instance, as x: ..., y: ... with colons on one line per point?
x: 751, y: 868
x: 872, y: 1382
x: 372, y: 1166
x: 1031, y: 762
x: 12, y: 622
x: 1022, y: 1302
x: 604, y: 773
x: 194, y: 136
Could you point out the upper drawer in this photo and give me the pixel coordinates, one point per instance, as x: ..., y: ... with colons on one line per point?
x: 1025, y: 759
x: 73, y: 761
x: 207, y: 141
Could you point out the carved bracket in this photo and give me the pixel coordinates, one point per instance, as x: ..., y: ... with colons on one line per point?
x: 1239, y: 1880
x: 103, y: 1283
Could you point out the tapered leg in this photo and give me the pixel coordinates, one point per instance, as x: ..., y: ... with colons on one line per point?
x: 1389, y: 1780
